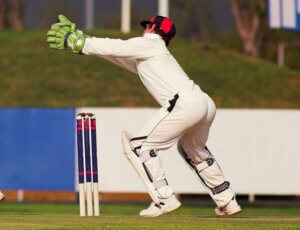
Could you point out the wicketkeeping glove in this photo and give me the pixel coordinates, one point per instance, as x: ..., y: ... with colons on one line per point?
x: 66, y: 22
x: 64, y: 34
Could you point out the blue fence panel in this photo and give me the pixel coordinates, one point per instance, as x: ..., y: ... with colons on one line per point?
x: 37, y: 149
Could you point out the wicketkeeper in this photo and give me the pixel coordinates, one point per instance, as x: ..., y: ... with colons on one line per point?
x: 185, y: 116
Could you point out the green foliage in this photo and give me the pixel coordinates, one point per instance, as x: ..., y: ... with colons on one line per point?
x: 47, y: 15
x: 237, y: 81
x: 32, y: 75
x: 291, y: 41
x: 257, y: 7
x: 269, y: 45
x: 194, y: 19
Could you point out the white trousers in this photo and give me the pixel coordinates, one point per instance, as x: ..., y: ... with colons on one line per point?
x: 189, y: 121
x: 185, y: 119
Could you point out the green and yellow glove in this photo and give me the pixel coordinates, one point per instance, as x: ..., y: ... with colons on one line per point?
x: 67, y: 23
x: 64, y: 34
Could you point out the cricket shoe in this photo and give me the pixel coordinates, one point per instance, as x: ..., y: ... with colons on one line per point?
x: 165, y: 206
x: 230, y: 209
x: 2, y: 197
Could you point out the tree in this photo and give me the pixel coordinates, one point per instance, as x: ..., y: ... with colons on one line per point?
x: 16, y: 15
x: 2, y: 10
x: 249, y: 17
x: 11, y: 14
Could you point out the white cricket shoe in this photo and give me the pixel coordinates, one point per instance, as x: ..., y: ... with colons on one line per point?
x: 230, y: 209
x: 165, y: 206
x: 1, y: 196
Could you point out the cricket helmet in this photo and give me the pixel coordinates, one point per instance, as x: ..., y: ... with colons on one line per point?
x: 163, y: 26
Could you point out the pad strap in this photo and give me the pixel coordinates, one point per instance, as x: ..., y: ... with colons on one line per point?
x: 160, y: 183
x: 138, y: 138
x: 220, y: 188
x: 205, y: 164
x: 145, y: 156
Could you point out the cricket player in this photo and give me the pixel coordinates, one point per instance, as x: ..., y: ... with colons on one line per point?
x: 2, y: 197
x: 185, y: 116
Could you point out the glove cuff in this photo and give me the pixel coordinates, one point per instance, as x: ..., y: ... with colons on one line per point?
x: 79, y: 44
x: 75, y: 41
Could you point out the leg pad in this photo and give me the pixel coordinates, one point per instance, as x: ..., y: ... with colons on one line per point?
x: 148, y: 167
x: 211, y: 176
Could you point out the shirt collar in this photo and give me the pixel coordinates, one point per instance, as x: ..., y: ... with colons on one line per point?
x: 152, y: 35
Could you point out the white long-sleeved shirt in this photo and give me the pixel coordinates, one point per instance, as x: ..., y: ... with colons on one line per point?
x: 148, y: 57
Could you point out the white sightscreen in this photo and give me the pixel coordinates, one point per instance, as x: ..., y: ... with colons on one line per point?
x: 258, y: 151
x: 274, y: 13
x: 289, y: 14
x: 284, y: 14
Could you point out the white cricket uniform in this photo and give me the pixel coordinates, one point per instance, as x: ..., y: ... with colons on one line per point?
x: 149, y: 57
x: 186, y: 112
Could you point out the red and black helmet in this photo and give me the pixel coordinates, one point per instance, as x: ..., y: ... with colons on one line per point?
x: 164, y: 26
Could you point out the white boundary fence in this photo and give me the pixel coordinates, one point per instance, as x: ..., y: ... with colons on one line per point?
x: 258, y: 150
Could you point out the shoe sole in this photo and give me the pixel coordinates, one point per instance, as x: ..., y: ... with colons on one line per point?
x: 164, y: 211
x: 220, y: 213
x: 171, y: 209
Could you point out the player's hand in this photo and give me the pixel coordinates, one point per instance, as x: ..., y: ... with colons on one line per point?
x: 63, y: 35
x: 67, y: 23
x: 56, y: 36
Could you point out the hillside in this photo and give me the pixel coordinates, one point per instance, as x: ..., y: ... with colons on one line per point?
x: 31, y: 75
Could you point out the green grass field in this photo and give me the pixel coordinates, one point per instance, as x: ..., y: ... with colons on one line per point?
x: 33, y: 76
x: 125, y: 216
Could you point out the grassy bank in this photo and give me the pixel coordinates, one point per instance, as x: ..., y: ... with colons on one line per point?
x: 31, y: 75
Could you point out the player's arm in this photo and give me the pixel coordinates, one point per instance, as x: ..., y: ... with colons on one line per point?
x: 65, y: 35
x: 134, y: 48
x: 126, y: 63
